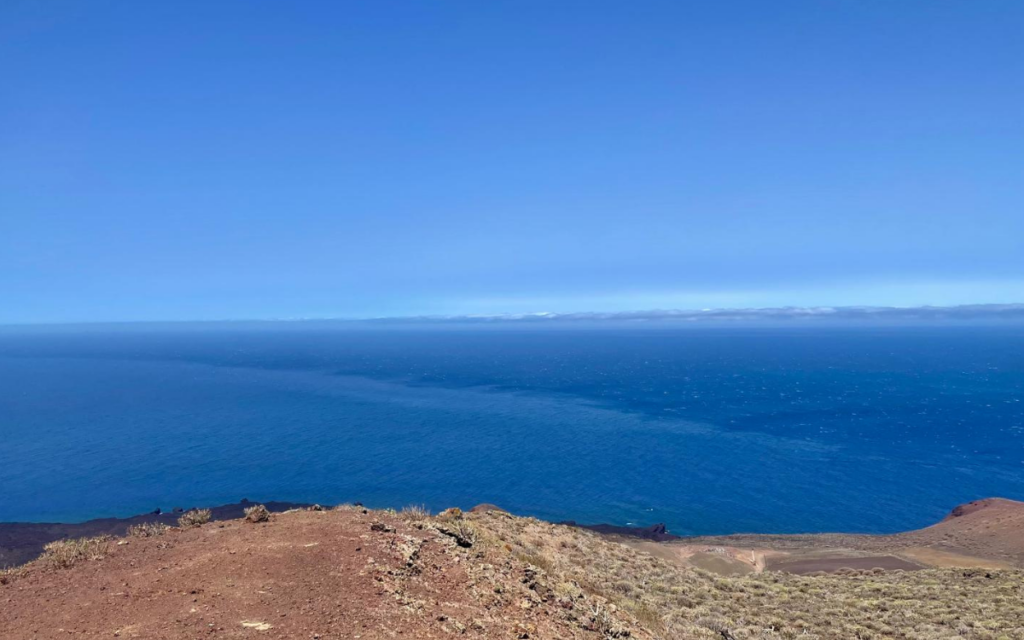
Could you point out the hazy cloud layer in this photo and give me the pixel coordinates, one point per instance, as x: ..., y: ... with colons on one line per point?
x: 987, y: 312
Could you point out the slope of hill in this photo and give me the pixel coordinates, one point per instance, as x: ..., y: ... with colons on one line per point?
x: 24, y: 541
x: 344, y: 573
x: 985, y: 534
x: 349, y: 573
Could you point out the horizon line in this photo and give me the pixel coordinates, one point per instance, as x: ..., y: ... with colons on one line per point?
x: 992, y: 311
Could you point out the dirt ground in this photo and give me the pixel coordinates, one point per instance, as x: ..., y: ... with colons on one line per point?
x: 353, y: 573
x: 21, y: 542
x: 305, y: 574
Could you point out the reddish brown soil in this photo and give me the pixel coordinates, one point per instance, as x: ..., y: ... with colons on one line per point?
x: 992, y: 528
x: 24, y: 541
x: 304, y: 575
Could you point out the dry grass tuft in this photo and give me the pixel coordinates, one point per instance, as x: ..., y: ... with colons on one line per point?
x: 348, y: 506
x: 147, y: 530
x: 10, y: 574
x: 194, y: 518
x: 414, y: 512
x: 62, y: 554
x: 257, y: 513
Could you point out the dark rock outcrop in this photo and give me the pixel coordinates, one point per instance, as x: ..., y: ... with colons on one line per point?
x: 655, y: 532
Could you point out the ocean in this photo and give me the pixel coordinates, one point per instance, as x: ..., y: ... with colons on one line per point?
x: 708, y: 430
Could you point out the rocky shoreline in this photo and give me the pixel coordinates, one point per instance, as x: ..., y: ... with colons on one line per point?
x: 984, y: 529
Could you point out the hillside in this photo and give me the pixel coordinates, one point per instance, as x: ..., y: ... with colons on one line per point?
x: 355, y: 573
x: 985, y: 534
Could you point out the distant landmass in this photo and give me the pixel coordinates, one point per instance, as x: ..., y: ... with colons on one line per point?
x: 1002, y: 312
x: 985, y: 313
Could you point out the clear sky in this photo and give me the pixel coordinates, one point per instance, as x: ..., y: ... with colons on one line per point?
x: 268, y: 159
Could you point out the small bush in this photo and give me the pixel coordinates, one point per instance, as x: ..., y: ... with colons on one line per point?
x: 451, y: 523
x: 414, y: 512
x: 536, y: 560
x: 649, y: 617
x: 147, y: 529
x: 8, y: 575
x: 451, y: 513
x: 62, y: 554
x: 194, y: 518
x: 258, y: 513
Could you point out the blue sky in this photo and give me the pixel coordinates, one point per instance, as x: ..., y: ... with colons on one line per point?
x: 214, y: 160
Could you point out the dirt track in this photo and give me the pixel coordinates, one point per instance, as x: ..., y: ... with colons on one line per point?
x: 985, y: 534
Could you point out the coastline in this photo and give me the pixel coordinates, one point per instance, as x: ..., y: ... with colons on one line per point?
x: 21, y: 542
x: 980, y: 534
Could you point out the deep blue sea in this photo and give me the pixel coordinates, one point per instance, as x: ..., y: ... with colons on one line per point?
x: 709, y: 430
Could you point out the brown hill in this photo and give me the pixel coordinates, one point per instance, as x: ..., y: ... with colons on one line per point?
x: 345, y: 573
x: 352, y: 573
x: 992, y: 528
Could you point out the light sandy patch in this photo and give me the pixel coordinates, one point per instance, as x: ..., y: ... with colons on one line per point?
x: 944, y: 559
x: 728, y: 561
x: 812, y: 563
x: 721, y: 563
x: 258, y: 626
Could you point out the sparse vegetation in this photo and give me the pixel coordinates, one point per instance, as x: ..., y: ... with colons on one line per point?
x: 452, y: 522
x: 9, y: 574
x: 604, y: 589
x: 194, y: 518
x: 257, y: 513
x: 679, y: 602
x: 414, y: 512
x: 147, y: 530
x: 62, y: 554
